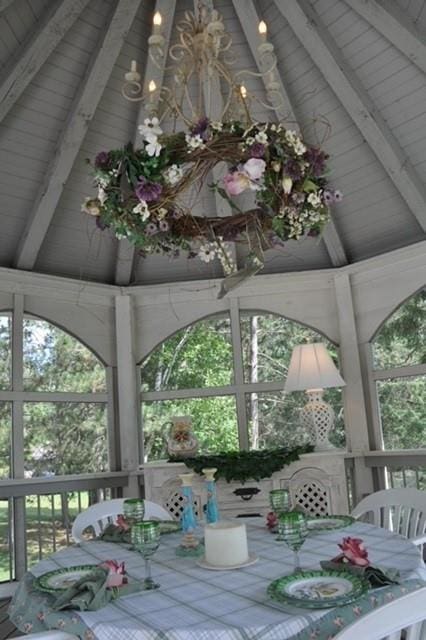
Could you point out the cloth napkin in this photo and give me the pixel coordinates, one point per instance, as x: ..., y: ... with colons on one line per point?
x: 91, y: 593
x: 375, y: 576
x: 113, y: 533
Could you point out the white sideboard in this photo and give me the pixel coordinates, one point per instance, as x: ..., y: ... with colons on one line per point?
x: 317, y: 484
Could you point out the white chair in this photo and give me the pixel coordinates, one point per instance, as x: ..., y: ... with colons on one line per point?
x: 387, y: 622
x: 400, y: 510
x: 99, y: 515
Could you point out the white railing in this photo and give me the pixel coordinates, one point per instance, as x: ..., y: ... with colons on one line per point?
x: 36, y: 515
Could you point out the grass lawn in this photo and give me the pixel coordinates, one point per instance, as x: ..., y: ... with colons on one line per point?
x: 41, y: 520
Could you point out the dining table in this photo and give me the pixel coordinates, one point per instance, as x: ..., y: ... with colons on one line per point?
x: 196, y: 603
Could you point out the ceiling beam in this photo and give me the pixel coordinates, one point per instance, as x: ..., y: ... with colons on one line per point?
x: 82, y: 112
x: 324, y: 52
x: 34, y: 52
x: 395, y: 25
x: 125, y: 250
x: 249, y: 20
x: 4, y: 4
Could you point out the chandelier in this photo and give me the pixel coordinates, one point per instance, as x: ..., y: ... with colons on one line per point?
x: 215, y: 143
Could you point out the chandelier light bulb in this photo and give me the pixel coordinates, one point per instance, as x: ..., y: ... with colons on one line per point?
x: 157, y: 20
x: 133, y: 66
x: 243, y: 92
x: 262, y: 28
x: 152, y: 86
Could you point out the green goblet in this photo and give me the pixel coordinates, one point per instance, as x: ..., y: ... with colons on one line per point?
x: 279, y: 500
x: 145, y: 538
x: 133, y: 510
x: 293, y: 530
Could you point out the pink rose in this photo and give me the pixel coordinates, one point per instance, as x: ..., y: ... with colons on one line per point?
x: 354, y: 551
x: 117, y: 572
x: 121, y: 523
x: 236, y: 182
x: 271, y: 520
x: 254, y: 168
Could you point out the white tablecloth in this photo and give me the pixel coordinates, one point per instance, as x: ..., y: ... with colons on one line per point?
x: 199, y: 604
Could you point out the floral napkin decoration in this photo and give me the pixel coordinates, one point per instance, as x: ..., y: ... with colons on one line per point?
x: 116, y: 573
x: 354, y: 558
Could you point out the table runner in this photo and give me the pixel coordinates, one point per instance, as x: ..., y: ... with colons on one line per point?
x: 194, y: 603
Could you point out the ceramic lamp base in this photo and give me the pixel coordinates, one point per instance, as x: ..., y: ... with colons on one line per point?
x: 317, y: 416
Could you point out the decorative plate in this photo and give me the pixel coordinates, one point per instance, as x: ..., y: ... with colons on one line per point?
x: 330, y: 522
x: 318, y: 589
x: 62, y: 579
x: 202, y: 562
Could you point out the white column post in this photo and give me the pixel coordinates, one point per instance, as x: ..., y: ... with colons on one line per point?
x: 237, y: 351
x: 18, y: 467
x: 353, y: 394
x: 128, y: 392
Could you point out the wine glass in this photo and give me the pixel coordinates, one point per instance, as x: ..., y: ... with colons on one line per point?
x: 293, y: 530
x: 145, y: 538
x: 279, y: 500
x: 134, y: 510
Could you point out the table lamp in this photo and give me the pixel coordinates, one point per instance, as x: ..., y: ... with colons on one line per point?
x: 312, y: 370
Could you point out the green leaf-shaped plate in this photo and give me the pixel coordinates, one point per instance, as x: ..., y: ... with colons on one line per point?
x: 318, y: 589
x: 330, y: 522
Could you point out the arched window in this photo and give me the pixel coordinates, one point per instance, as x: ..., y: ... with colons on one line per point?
x: 399, y: 355
x: 59, y: 393
x: 228, y: 375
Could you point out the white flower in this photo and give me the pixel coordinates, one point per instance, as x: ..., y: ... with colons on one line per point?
x: 102, y: 195
x: 273, y: 127
x: 194, y: 142
x: 314, y: 199
x: 217, y: 126
x: 249, y: 141
x: 261, y: 137
x: 287, y: 184
x: 161, y: 213
x: 103, y: 181
x: 142, y: 208
x: 207, y: 252
x: 290, y: 136
x: 173, y: 174
x: 153, y: 148
x: 299, y: 147
x: 150, y: 129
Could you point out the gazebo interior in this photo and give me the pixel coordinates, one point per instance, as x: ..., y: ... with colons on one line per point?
x: 130, y: 333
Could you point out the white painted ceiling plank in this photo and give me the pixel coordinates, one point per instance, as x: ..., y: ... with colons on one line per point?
x: 249, y: 19
x: 75, y: 130
x: 125, y: 250
x: 36, y: 51
x: 345, y: 84
x: 395, y: 25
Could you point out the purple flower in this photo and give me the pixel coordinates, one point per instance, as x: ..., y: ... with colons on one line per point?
x: 164, y: 225
x: 100, y: 223
x: 313, y: 233
x: 257, y: 150
x: 191, y: 255
x: 328, y: 197
x: 103, y: 160
x: 151, y: 229
x: 316, y: 159
x: 293, y: 170
x: 148, y: 191
x: 338, y: 196
x: 200, y: 129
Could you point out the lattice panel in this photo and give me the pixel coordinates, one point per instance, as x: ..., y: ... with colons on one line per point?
x: 174, y: 504
x: 312, y: 498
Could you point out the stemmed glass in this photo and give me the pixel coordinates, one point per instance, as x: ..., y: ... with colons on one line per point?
x: 293, y: 530
x: 145, y: 538
x: 134, y: 510
x: 279, y: 500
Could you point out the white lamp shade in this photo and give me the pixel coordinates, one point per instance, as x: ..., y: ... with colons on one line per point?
x: 311, y: 367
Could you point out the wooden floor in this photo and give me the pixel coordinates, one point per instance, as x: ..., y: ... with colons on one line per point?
x: 7, y: 629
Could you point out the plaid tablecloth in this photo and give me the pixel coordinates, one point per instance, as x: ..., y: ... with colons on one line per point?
x: 198, y: 604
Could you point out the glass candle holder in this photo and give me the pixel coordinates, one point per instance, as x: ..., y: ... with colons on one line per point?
x: 212, y: 510
x: 134, y: 510
x: 189, y: 545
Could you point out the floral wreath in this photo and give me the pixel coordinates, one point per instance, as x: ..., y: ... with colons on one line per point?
x: 139, y: 189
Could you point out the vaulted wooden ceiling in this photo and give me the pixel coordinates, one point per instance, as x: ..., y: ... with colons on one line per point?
x: 352, y: 71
